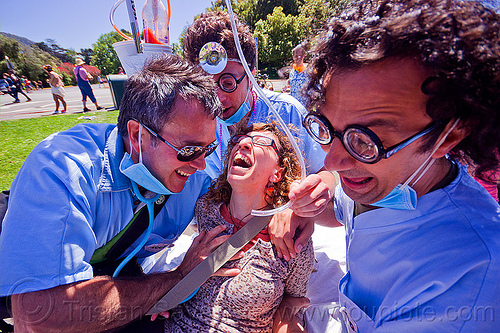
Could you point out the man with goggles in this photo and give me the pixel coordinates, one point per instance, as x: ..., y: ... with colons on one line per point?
x: 81, y: 190
x: 400, y: 103
x: 207, y: 45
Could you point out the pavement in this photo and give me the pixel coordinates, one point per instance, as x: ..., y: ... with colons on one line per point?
x: 42, y: 103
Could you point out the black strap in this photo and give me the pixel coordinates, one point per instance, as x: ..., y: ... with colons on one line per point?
x: 4, y: 200
x: 135, y: 228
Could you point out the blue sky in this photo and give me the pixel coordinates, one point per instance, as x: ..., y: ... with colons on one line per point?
x: 78, y: 24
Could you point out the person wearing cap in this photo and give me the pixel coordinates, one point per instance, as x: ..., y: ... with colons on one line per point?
x: 207, y: 38
x: 57, y: 87
x: 82, y: 78
x: 80, y: 188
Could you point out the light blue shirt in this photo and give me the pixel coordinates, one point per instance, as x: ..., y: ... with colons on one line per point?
x: 68, y: 199
x: 433, y: 269
x: 292, y: 112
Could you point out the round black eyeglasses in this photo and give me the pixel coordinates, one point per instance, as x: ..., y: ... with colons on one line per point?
x: 227, y: 82
x: 186, y: 153
x: 260, y: 140
x: 359, y: 141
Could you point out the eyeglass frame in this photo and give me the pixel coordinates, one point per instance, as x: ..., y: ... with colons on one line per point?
x: 383, y: 153
x: 238, y: 81
x: 272, y: 145
x: 210, y: 148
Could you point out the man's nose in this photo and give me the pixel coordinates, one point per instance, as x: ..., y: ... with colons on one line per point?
x: 198, y: 163
x: 337, y: 157
x: 221, y: 94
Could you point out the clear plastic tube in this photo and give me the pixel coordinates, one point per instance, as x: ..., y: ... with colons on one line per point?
x: 112, y: 19
x: 273, y: 110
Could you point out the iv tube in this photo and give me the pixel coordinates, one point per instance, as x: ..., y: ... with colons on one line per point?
x: 273, y: 110
x: 112, y: 19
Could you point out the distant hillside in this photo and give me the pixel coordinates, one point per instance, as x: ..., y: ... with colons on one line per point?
x: 20, y: 39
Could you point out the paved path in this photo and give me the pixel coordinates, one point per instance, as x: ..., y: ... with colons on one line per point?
x: 42, y: 103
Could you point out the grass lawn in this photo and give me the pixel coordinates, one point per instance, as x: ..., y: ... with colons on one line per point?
x: 19, y: 137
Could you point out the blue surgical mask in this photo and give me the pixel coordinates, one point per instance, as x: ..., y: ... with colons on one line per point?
x: 403, y: 196
x: 399, y: 198
x: 138, y: 172
x: 239, y: 114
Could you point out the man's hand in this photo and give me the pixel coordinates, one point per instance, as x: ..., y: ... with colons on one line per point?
x: 204, y: 244
x: 284, y: 319
x: 310, y: 196
x: 282, y: 229
x: 309, y: 199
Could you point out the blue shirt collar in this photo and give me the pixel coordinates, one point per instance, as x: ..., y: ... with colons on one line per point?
x: 111, y: 177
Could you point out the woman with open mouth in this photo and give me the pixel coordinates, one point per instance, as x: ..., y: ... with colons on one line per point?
x: 260, y: 164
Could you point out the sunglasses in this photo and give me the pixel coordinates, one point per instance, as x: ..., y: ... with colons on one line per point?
x: 186, y: 153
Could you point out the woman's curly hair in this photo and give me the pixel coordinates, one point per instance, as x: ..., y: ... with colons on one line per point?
x: 220, y: 190
x: 459, y: 41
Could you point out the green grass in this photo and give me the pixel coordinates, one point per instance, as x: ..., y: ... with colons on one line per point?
x: 19, y: 137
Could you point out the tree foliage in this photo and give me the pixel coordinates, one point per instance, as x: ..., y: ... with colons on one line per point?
x: 251, y: 11
x: 277, y: 36
x: 282, y: 30
x: 50, y: 46
x: 282, y: 24
x: 104, y: 54
x: 26, y: 60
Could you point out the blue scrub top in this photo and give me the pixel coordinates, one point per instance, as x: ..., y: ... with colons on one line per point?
x: 435, y: 268
x: 68, y: 199
x: 292, y: 112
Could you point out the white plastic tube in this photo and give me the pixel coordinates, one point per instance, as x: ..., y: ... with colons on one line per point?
x: 273, y: 110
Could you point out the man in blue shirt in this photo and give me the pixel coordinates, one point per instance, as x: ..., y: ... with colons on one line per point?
x: 404, y: 91
x: 243, y: 106
x: 79, y: 188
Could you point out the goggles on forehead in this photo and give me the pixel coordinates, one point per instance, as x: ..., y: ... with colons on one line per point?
x: 213, y: 58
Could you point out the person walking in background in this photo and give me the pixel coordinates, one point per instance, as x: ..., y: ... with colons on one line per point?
x: 83, y: 77
x: 18, y: 86
x: 27, y: 83
x: 57, y: 87
x: 11, y: 88
x: 298, y: 76
x: 120, y: 71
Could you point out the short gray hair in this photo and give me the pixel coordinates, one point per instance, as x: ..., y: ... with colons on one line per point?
x: 150, y: 94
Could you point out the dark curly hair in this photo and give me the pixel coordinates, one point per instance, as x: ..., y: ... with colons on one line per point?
x: 459, y: 41
x: 216, y: 27
x: 220, y: 190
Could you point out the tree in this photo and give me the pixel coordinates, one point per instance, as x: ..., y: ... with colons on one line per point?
x: 87, y: 55
x: 319, y: 11
x: 104, y: 54
x: 8, y: 47
x: 251, y: 11
x: 278, y: 35
x: 27, y: 60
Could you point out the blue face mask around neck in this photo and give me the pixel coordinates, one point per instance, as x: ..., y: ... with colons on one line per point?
x: 404, y: 197
x: 138, y: 172
x: 400, y: 197
x: 239, y: 114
